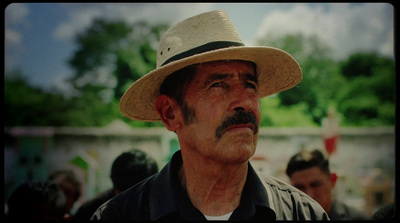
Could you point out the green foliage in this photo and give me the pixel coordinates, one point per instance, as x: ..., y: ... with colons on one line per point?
x: 111, y: 55
x: 364, y: 64
x: 126, y: 52
x: 97, y: 44
x: 29, y: 106
x: 274, y: 114
x: 362, y: 87
x: 320, y: 74
x: 368, y: 96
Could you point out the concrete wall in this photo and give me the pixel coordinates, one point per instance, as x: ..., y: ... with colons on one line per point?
x: 359, y: 152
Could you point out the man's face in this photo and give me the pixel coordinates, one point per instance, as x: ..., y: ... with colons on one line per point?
x: 315, y: 183
x: 218, y: 91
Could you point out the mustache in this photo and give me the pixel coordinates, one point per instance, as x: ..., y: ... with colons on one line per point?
x: 237, y: 119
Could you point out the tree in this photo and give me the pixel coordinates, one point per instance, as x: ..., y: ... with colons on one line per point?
x: 112, y: 55
x: 320, y: 74
x: 116, y: 52
x: 29, y: 106
x: 362, y: 87
x: 368, y: 95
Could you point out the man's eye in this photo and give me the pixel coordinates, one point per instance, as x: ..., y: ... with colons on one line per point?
x: 217, y: 84
x: 316, y: 184
x: 300, y: 187
x: 250, y: 85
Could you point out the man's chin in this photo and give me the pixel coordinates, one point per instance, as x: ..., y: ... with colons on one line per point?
x: 239, y: 135
x: 244, y: 141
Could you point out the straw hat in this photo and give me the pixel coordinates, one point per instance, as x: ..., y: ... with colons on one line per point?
x: 203, y: 38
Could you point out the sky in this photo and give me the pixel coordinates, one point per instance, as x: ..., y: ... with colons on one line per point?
x: 39, y: 37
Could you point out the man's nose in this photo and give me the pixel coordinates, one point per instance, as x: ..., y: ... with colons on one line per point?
x: 240, y: 99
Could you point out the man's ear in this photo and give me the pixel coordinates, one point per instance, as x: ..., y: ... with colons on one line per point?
x: 168, y: 109
x: 334, y: 178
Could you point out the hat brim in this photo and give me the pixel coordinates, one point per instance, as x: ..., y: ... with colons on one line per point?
x: 277, y: 70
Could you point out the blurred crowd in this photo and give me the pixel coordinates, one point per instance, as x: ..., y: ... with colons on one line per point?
x: 53, y: 199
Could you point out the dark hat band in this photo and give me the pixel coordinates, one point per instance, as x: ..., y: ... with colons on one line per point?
x: 203, y: 48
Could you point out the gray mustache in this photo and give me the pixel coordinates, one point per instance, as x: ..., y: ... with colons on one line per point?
x: 237, y: 119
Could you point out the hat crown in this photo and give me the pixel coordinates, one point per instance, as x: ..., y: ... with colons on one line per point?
x: 207, y: 37
x: 213, y: 29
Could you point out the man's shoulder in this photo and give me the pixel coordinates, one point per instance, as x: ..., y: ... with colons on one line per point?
x: 126, y: 204
x: 87, y: 209
x: 134, y: 194
x: 281, y: 186
x: 343, y: 211
x: 284, y: 198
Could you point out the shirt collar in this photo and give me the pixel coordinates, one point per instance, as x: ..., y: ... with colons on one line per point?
x: 337, y: 211
x: 254, y: 202
x: 166, y: 194
x: 168, y: 197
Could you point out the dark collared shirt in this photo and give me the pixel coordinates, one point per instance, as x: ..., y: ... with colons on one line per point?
x: 161, y: 197
x: 341, y: 211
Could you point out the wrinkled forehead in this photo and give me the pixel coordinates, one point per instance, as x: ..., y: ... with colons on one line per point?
x: 246, y: 69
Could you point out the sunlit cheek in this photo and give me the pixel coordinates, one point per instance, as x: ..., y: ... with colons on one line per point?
x: 258, y: 111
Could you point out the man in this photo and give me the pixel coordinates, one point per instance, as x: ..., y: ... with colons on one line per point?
x: 37, y: 201
x: 385, y: 213
x: 206, y: 88
x: 70, y: 185
x: 128, y: 169
x: 309, y: 172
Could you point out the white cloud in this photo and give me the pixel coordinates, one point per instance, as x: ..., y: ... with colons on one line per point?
x: 12, y: 37
x: 15, y: 15
x: 60, y: 84
x: 81, y: 15
x: 156, y: 12
x: 77, y: 21
x: 346, y: 28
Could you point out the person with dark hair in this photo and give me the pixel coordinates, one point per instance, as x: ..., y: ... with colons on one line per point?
x: 130, y: 168
x: 37, y: 200
x: 386, y: 213
x: 127, y: 169
x: 206, y: 89
x: 309, y: 171
x: 69, y: 184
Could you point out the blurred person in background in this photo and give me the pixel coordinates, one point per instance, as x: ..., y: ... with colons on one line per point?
x: 309, y: 171
x: 37, y: 200
x: 127, y: 169
x: 386, y: 213
x: 69, y: 184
